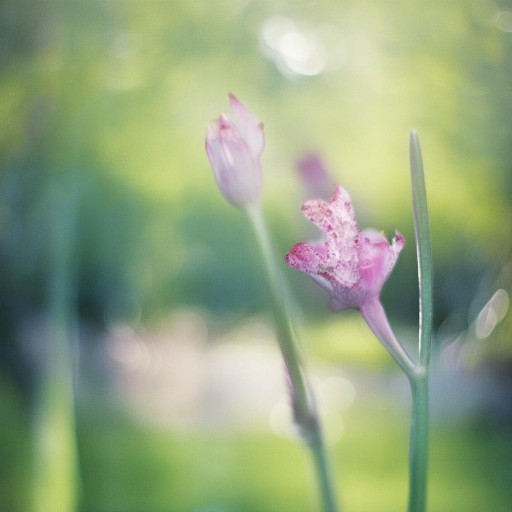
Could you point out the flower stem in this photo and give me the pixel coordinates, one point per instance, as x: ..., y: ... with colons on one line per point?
x: 376, y: 318
x: 418, y: 455
x: 323, y: 470
x: 418, y: 449
x: 303, y: 403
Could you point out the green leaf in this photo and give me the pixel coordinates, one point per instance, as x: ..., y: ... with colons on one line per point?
x: 423, y: 247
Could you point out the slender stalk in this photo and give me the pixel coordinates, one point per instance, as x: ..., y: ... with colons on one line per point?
x: 375, y: 316
x: 417, y: 373
x: 55, y: 484
x: 418, y: 449
x: 323, y: 470
x: 418, y: 455
x: 304, y: 406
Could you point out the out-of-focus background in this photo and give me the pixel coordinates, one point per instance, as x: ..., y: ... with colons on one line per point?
x: 124, y: 272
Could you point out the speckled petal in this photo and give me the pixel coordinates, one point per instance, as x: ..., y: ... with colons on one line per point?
x: 307, y: 258
x: 336, y: 219
x: 355, y: 264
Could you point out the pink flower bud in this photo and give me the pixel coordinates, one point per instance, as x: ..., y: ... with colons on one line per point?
x: 234, y: 145
x: 351, y: 265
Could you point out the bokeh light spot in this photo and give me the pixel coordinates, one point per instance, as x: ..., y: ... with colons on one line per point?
x: 298, y: 49
x: 492, y: 314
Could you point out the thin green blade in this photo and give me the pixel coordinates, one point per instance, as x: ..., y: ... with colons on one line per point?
x: 423, y: 247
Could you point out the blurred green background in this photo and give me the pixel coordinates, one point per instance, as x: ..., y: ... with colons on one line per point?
x: 124, y: 272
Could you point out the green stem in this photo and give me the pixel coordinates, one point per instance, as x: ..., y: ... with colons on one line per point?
x: 418, y: 450
x: 304, y: 407
x: 418, y: 456
x: 323, y: 470
x: 285, y: 330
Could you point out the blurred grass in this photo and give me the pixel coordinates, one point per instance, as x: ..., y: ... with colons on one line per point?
x: 346, y: 340
x: 130, y: 467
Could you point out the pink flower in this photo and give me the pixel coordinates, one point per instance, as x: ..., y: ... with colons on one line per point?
x: 234, y: 146
x: 351, y: 265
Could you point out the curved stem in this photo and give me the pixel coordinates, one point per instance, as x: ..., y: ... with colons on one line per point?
x: 303, y: 403
x: 376, y: 318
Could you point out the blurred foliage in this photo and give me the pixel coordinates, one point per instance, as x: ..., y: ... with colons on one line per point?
x: 114, y: 96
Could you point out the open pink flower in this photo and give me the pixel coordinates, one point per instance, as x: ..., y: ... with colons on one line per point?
x: 234, y: 145
x: 351, y: 265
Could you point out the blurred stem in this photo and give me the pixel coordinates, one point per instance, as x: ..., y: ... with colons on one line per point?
x: 304, y: 407
x: 285, y: 331
x: 55, y: 459
x: 323, y: 469
x: 55, y: 484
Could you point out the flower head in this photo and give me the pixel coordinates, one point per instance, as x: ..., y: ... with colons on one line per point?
x: 352, y: 265
x: 234, y: 145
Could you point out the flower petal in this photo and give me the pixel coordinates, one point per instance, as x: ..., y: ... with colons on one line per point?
x: 336, y: 219
x: 307, y: 258
x: 248, y: 125
x: 377, y: 257
x: 352, y: 265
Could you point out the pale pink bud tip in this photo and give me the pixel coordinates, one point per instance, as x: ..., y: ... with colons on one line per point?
x: 352, y: 265
x: 234, y: 145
